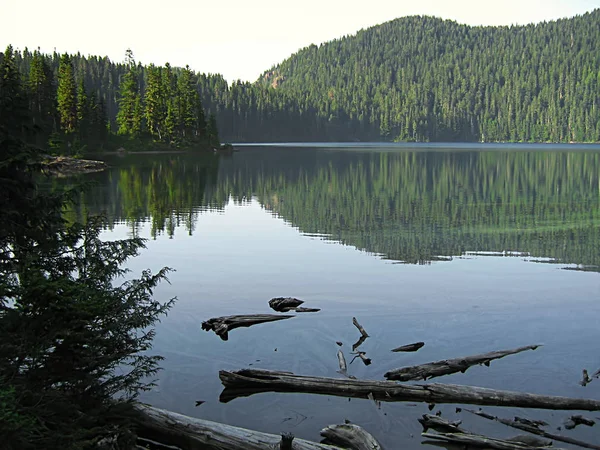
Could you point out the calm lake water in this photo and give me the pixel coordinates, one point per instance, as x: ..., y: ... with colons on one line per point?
x: 467, y: 250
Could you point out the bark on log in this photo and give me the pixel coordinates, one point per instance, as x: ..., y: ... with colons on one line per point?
x: 449, y: 366
x: 410, y: 347
x: 246, y: 382
x: 196, y: 434
x: 176, y: 430
x: 360, y: 328
x: 222, y: 325
x: 350, y: 436
x: 482, y: 441
x: 524, y: 426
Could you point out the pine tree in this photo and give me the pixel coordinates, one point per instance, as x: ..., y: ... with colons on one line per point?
x: 154, y: 111
x: 83, y: 110
x: 187, y: 101
x: 13, y: 100
x: 67, y: 95
x: 41, y: 93
x: 129, y: 119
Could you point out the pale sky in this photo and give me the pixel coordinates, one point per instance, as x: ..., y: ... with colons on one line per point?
x: 237, y: 38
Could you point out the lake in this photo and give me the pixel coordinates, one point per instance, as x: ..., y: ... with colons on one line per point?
x: 468, y: 248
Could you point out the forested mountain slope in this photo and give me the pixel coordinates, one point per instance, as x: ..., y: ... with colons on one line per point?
x: 411, y: 79
x: 426, y: 79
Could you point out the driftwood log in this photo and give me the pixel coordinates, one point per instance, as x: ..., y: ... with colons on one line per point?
x: 475, y: 440
x: 223, y: 325
x: 358, y: 343
x: 531, y: 427
x: 286, y: 304
x: 342, y: 362
x: 246, y: 382
x: 188, y: 433
x: 350, y: 436
x: 449, y: 366
x: 409, y: 347
x: 360, y: 328
x: 438, y: 424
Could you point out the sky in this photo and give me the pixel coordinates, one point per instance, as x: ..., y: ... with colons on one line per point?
x: 237, y: 38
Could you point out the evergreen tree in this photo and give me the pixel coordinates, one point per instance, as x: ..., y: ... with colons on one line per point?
x: 83, y: 110
x: 129, y: 117
x: 188, y: 99
x: 13, y: 100
x: 67, y: 95
x: 73, y: 342
x: 154, y: 102
x: 41, y: 93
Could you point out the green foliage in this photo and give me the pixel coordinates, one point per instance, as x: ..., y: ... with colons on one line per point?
x: 67, y: 95
x: 426, y: 79
x: 74, y: 337
x: 129, y: 118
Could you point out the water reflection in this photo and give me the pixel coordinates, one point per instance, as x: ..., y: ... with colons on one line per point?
x: 409, y: 206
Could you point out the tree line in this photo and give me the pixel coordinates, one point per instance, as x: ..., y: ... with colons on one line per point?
x: 71, y: 106
x: 411, y: 79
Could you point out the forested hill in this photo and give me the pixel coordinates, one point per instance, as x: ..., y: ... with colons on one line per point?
x: 411, y: 79
x: 427, y: 79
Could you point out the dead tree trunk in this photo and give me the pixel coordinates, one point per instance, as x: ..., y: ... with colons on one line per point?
x: 190, y: 433
x: 247, y: 382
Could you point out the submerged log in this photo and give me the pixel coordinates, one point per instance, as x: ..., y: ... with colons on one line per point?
x: 409, y: 347
x: 189, y: 433
x: 573, y: 421
x: 350, y: 436
x: 475, y: 440
x: 532, y: 428
x: 222, y: 325
x: 449, y: 366
x: 246, y: 382
x: 360, y: 328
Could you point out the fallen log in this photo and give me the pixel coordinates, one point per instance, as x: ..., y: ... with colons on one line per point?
x: 530, y: 427
x: 409, y: 347
x: 222, y: 325
x: 476, y: 440
x: 438, y: 424
x: 246, y: 382
x: 350, y: 436
x: 360, y: 328
x: 189, y: 433
x: 449, y: 366
x: 286, y: 304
